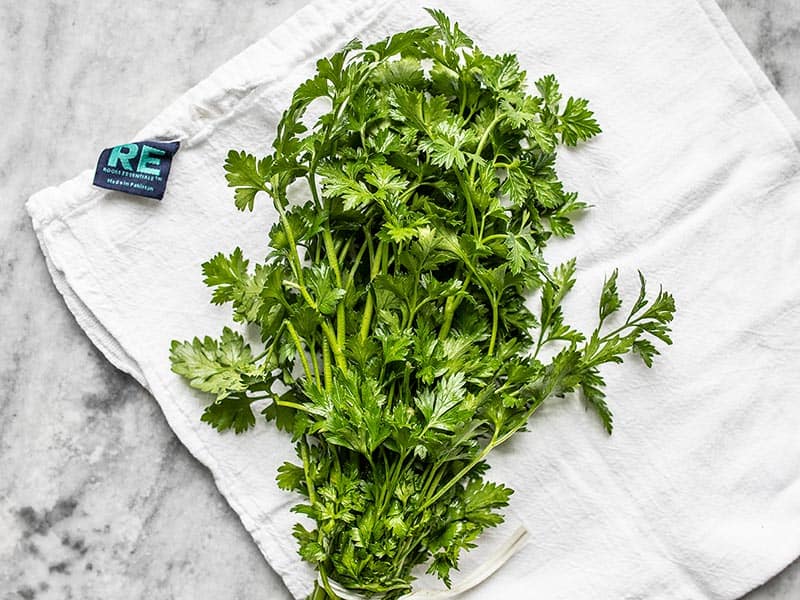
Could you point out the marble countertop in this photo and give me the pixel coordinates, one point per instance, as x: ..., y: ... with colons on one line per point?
x: 98, y: 499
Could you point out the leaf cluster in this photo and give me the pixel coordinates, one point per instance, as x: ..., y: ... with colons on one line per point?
x: 397, y: 347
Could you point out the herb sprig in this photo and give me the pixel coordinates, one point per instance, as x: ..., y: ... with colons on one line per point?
x: 399, y: 348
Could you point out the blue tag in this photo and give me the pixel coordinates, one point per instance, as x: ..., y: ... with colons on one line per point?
x: 139, y: 168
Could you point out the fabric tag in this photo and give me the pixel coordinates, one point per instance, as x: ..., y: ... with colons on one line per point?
x: 139, y: 168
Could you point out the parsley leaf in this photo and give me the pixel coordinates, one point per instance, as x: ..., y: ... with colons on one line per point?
x: 247, y: 176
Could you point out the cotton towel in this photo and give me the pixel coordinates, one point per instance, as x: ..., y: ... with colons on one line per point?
x: 695, y: 180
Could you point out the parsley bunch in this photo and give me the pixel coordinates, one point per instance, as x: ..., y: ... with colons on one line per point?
x: 399, y: 348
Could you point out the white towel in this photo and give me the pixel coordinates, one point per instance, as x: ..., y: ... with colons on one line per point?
x: 695, y: 180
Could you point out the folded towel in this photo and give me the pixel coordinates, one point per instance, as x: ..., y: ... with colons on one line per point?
x: 695, y: 180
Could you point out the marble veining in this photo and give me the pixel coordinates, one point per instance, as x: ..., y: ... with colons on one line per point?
x: 98, y: 499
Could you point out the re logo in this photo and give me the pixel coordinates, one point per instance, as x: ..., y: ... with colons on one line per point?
x: 149, y: 162
x: 139, y: 168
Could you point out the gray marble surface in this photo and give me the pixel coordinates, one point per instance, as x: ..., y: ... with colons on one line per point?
x: 98, y: 499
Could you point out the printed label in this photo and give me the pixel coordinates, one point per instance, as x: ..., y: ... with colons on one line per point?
x: 139, y: 168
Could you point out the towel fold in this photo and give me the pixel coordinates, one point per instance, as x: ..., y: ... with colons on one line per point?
x: 695, y: 180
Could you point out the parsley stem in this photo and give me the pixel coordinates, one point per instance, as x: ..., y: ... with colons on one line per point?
x: 496, y: 236
x: 319, y: 592
x: 629, y: 323
x: 449, y: 309
x: 460, y: 475
x: 417, y: 306
x: 303, y: 292
x: 407, y: 192
x: 326, y: 364
x: 314, y: 361
x: 343, y: 252
x: 378, y: 261
x: 330, y: 250
x: 374, y: 269
x: 392, y: 480
x: 340, y: 324
x: 542, y: 328
x: 467, y: 190
x: 494, y: 327
x: 371, y: 249
x: 335, y: 348
x: 293, y: 405
x: 327, y: 585
x: 295, y: 257
x: 435, y: 473
x: 300, y: 351
x: 450, y: 306
x: 366, y: 318
x: 356, y: 262
x: 493, y: 443
x: 481, y: 144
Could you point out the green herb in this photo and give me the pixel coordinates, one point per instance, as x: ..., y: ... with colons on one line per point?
x: 398, y: 346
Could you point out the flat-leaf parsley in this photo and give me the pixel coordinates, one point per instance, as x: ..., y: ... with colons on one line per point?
x: 398, y: 347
